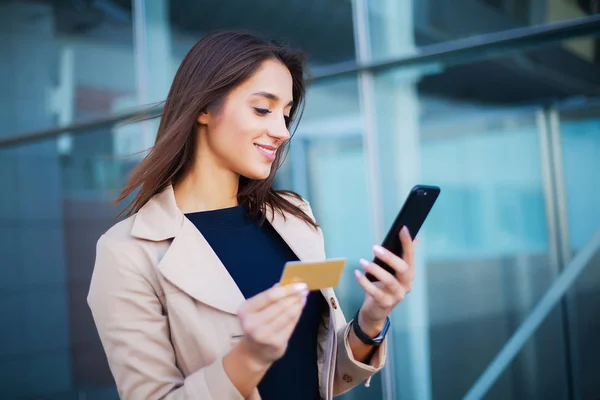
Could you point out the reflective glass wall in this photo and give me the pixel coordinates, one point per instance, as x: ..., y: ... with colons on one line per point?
x: 511, y: 139
x: 61, y: 63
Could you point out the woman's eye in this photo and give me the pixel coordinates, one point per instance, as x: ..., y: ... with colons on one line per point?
x: 265, y: 111
x: 262, y: 111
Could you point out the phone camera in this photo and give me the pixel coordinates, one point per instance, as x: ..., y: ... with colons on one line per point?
x: 421, y: 192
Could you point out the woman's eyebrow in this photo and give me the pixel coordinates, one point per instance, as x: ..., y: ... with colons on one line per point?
x: 271, y: 96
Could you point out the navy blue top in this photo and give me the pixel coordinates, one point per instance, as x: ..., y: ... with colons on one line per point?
x: 255, y: 255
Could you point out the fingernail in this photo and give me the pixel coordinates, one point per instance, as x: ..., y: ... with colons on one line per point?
x: 364, y: 263
x: 378, y: 250
x: 405, y: 229
x: 305, y: 293
x: 301, y: 287
x: 357, y: 274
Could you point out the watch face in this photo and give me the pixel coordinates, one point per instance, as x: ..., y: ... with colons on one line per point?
x: 381, y: 336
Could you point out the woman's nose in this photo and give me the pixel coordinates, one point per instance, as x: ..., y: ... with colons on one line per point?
x: 280, y: 131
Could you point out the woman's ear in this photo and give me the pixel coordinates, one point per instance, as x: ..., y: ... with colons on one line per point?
x: 203, y: 118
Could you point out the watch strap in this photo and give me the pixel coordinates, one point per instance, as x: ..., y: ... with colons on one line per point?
x: 366, y: 339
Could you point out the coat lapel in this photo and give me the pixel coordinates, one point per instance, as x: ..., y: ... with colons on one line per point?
x: 303, y: 239
x: 191, y: 264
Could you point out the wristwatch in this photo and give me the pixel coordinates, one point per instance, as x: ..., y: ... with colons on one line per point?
x: 366, y: 339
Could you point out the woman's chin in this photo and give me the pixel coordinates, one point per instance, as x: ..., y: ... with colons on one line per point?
x: 257, y: 175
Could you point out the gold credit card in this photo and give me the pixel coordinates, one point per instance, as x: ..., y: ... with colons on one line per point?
x: 316, y: 274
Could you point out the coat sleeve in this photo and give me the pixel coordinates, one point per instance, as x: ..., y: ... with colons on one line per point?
x: 135, y: 335
x: 348, y: 371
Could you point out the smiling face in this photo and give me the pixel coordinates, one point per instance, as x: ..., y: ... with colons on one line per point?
x: 244, y: 134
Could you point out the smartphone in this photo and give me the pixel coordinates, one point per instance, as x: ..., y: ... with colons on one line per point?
x: 413, y: 213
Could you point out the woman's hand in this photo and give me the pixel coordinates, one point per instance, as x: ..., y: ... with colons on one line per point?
x: 381, y: 297
x: 268, y: 320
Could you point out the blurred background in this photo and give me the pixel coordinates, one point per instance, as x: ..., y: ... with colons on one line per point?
x: 495, y: 101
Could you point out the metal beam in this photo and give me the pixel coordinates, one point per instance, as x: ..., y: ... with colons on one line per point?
x: 476, y: 48
x: 448, y: 53
x: 78, y: 128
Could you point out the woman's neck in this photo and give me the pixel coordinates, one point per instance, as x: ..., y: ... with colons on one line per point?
x: 207, y: 187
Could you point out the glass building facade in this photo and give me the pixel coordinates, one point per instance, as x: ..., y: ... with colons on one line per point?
x: 495, y: 101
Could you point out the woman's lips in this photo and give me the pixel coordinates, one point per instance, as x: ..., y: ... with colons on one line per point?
x: 266, y: 151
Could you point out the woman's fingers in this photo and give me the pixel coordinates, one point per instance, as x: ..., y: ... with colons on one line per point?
x: 273, y: 295
x: 276, y: 321
x: 285, y: 322
x: 403, y: 267
x: 265, y: 314
x: 284, y: 305
x: 388, y: 280
x: 380, y: 295
x: 398, y: 264
x: 269, y: 318
x: 408, y: 246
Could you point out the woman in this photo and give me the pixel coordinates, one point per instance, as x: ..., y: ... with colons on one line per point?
x: 184, y: 292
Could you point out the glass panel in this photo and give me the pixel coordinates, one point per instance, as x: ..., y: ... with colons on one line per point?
x: 337, y: 188
x: 97, y: 168
x: 323, y: 30
x: 486, y: 249
x: 48, y: 231
x: 584, y: 330
x: 537, y: 372
x: 485, y: 246
x: 472, y: 129
x: 336, y: 172
x: 90, y: 184
x: 63, y: 62
x: 579, y: 127
x: 399, y: 28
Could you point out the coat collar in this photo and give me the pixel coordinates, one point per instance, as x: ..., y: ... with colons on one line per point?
x: 159, y: 219
x: 191, y: 264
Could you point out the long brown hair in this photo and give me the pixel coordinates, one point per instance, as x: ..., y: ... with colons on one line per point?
x: 213, y: 67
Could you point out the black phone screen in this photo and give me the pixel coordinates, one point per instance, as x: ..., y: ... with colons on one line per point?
x: 413, y: 213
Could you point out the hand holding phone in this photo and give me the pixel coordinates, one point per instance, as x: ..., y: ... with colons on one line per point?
x: 413, y: 213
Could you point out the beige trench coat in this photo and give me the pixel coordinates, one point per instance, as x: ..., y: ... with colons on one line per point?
x: 165, y: 308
